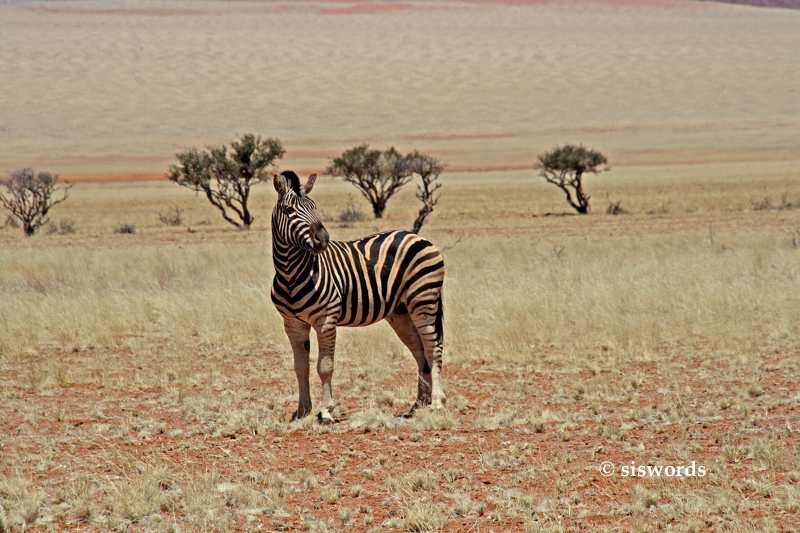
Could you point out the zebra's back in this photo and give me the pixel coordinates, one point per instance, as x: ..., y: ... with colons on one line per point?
x: 394, y: 271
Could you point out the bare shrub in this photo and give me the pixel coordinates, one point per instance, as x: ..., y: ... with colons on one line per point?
x: 171, y: 217
x: 765, y: 204
x: 761, y: 204
x: 29, y: 196
x: 615, y: 208
x: 564, y: 167
x: 377, y: 175
x: 428, y: 169
x: 786, y: 204
x: 64, y: 227
x: 226, y: 174
x: 125, y: 228
x: 795, y: 238
x: 661, y: 209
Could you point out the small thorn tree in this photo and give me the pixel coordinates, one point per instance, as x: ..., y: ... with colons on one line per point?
x: 377, y: 175
x: 565, y: 166
x: 29, y: 196
x: 226, y: 174
x: 428, y: 169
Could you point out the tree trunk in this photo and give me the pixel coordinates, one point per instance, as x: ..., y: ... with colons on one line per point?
x: 247, y: 219
x: 29, y: 229
x: 583, y: 199
x: 378, y: 208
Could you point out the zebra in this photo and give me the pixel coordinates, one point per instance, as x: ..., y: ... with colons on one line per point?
x: 322, y: 284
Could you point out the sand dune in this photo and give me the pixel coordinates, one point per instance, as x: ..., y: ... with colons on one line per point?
x: 786, y: 4
x: 115, y: 88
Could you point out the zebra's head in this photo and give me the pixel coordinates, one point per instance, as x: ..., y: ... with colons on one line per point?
x: 295, y: 219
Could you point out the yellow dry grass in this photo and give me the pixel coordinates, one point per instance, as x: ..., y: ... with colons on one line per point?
x: 704, y: 266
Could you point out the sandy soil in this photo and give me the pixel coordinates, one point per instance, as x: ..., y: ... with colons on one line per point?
x: 538, y: 459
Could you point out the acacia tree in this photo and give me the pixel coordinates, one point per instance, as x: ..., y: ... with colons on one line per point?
x: 428, y: 169
x: 564, y: 167
x: 377, y: 175
x: 226, y: 174
x: 29, y: 196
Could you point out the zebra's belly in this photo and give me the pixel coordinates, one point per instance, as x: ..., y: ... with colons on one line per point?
x: 318, y: 312
x: 357, y: 313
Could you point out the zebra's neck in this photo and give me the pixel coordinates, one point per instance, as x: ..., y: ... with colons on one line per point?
x: 293, y: 265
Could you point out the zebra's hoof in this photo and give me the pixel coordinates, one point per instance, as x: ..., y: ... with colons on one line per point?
x: 300, y: 414
x: 324, y: 417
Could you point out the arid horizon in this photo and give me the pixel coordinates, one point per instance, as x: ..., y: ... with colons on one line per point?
x: 113, y: 90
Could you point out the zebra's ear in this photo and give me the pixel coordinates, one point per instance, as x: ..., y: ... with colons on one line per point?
x: 280, y: 184
x: 309, y: 183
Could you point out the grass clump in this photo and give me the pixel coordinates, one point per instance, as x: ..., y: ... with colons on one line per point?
x: 20, y: 503
x: 64, y: 227
x: 125, y: 229
x: 350, y: 214
x: 420, y: 515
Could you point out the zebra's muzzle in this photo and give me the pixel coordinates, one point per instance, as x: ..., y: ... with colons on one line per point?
x: 319, y: 238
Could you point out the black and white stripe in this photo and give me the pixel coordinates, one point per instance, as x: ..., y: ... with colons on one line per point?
x: 322, y: 284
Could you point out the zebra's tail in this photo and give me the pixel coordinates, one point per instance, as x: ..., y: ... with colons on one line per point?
x: 439, y: 324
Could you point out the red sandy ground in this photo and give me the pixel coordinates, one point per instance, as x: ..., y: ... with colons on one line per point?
x: 84, y: 452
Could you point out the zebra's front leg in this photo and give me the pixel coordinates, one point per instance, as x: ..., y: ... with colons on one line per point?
x: 326, y: 337
x: 297, y: 331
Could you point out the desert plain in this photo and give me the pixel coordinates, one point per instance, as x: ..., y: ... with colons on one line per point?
x: 146, y: 383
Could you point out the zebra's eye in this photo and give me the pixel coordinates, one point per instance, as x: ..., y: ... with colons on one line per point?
x: 288, y: 209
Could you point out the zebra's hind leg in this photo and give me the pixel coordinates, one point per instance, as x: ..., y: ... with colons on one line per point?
x: 297, y: 332
x: 428, y: 319
x: 402, y: 325
x: 326, y: 337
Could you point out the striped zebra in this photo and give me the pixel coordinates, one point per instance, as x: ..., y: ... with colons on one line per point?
x: 322, y: 284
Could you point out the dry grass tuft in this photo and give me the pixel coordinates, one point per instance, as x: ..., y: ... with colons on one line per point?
x: 373, y: 418
x: 428, y: 419
x: 142, y: 494
x: 20, y: 503
x: 413, y: 481
x: 420, y: 515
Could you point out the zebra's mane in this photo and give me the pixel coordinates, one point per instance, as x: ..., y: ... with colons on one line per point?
x: 294, y: 181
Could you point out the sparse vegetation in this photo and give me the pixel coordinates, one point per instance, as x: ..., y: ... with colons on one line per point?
x: 173, y: 404
x: 662, y: 209
x: 794, y: 238
x: 29, y: 196
x: 420, y: 515
x: 428, y: 169
x: 64, y: 227
x: 171, y: 217
x: 226, y: 175
x: 765, y: 203
x: 20, y: 503
x: 350, y: 214
x: 565, y: 167
x: 378, y: 175
x: 615, y: 208
x: 125, y: 229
